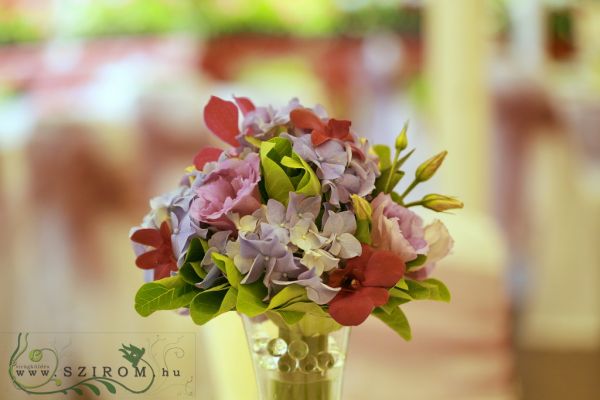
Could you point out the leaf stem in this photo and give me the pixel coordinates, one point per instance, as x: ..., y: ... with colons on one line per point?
x: 414, y: 203
x: 386, y: 188
x: 413, y: 184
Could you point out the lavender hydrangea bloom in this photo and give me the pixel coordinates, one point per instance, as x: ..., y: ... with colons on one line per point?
x: 173, y: 206
x: 257, y: 254
x: 330, y: 158
x: 357, y: 179
x: 300, y: 206
x: 316, y: 290
x: 261, y: 121
x: 216, y: 244
x: 340, y: 228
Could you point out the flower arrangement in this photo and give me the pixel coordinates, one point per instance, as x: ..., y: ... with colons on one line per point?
x: 297, y: 220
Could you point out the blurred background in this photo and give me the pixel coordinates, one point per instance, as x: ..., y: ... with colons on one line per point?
x: 101, y: 108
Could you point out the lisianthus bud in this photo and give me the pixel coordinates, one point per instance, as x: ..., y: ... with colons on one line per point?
x: 362, y: 208
x: 401, y: 139
x: 439, y: 202
x: 428, y: 168
x: 363, y: 211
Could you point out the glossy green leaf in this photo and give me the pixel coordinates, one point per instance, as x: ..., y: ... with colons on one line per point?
x: 385, y: 156
x: 395, y: 320
x: 195, y: 251
x: 393, y: 303
x: 228, y: 268
x: 400, y: 294
x: 417, y: 291
x: 437, y: 290
x: 210, y: 303
x: 287, y: 295
x: 429, y: 289
x: 363, y: 231
x: 417, y: 262
x: 188, y: 274
x: 250, y: 298
x: 291, y: 317
x: 284, y: 171
x: 402, y: 284
x: 304, y: 179
x: 165, y: 294
x: 386, y: 184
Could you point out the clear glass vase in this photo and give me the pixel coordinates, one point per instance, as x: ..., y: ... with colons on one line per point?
x: 303, y: 361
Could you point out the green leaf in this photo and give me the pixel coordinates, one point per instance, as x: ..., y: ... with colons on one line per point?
x: 277, y: 183
x: 228, y: 268
x: 383, y: 185
x: 165, y: 294
x: 250, y: 298
x: 400, y: 294
x: 285, y: 171
x: 253, y: 141
x: 402, y: 284
x: 363, y: 231
x: 385, y: 156
x: 429, y: 289
x: 109, y: 386
x: 210, y: 303
x: 311, y: 324
x: 308, y: 182
x: 188, y: 274
x: 291, y: 317
x: 307, y: 307
x: 287, y: 295
x: 191, y: 271
x: 417, y: 262
x: 92, y: 388
x: 76, y: 390
x: 417, y: 291
x: 195, y: 251
x: 315, y: 320
x: 396, y: 198
x: 229, y: 301
x: 437, y: 289
x: 395, y: 320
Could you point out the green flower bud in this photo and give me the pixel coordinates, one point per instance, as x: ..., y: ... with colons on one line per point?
x: 402, y: 139
x: 439, y: 202
x: 428, y: 168
x: 362, y: 208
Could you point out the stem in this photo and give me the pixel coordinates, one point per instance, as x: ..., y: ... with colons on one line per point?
x: 392, y: 172
x: 302, y: 385
x: 413, y: 184
x: 414, y: 203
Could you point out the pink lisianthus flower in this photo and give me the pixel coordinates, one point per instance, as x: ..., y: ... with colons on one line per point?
x: 398, y: 229
x: 232, y: 187
x: 440, y: 244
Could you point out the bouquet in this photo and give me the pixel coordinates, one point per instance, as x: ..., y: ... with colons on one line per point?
x: 298, y: 223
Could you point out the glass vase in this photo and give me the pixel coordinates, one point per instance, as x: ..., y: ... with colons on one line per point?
x: 302, y: 361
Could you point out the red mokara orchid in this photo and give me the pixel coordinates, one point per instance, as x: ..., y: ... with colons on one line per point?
x: 161, y: 259
x: 207, y: 154
x: 221, y: 117
x: 364, y: 284
x: 321, y: 132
